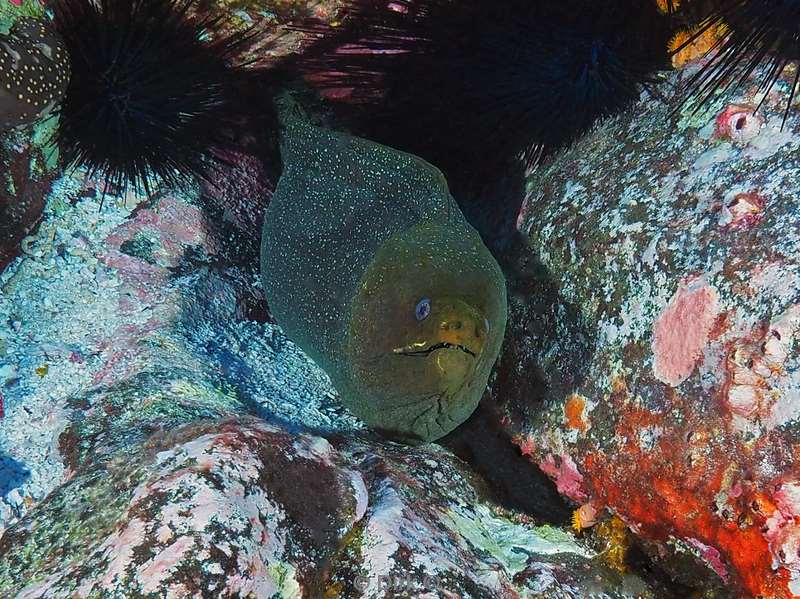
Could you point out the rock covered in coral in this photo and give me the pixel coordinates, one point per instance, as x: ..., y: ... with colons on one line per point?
x: 167, y: 446
x: 662, y: 322
x: 89, y: 303
x: 28, y: 175
x: 28, y: 161
x: 239, y: 507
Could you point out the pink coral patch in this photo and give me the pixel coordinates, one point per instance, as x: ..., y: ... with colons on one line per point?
x: 788, y: 498
x: 159, y: 568
x: 713, y: 558
x: 568, y: 480
x: 738, y: 123
x: 682, y: 330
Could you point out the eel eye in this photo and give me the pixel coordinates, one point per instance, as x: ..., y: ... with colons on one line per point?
x: 423, y: 309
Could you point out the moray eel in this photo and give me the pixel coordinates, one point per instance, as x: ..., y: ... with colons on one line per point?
x: 34, y: 72
x: 370, y: 267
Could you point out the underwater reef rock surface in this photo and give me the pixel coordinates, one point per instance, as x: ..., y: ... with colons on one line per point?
x: 661, y: 316
x: 156, y: 443
x: 28, y: 167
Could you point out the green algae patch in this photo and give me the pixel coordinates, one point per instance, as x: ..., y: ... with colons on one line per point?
x: 507, y: 542
x: 285, y: 577
x: 67, y: 524
x: 10, y: 12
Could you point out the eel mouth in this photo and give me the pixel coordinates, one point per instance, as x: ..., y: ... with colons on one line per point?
x: 450, y: 364
x: 409, y: 350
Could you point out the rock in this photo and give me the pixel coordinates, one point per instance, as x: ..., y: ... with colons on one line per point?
x: 239, y: 507
x: 185, y: 450
x: 28, y: 164
x: 13, y: 498
x: 652, y: 369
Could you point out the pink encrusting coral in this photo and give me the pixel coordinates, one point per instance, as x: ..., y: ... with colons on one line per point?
x: 253, y: 510
x: 783, y: 533
x: 788, y: 497
x: 783, y: 529
x: 682, y: 330
x: 199, y: 507
x: 118, y: 551
x: 564, y: 472
x: 144, y: 248
x: 712, y: 557
x: 738, y: 123
x: 142, y: 252
x: 123, y: 353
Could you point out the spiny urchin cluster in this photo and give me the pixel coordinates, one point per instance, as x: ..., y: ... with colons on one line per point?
x: 484, y: 88
x: 147, y: 94
x: 503, y: 77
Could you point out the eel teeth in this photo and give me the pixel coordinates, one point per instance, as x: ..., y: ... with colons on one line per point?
x: 406, y: 351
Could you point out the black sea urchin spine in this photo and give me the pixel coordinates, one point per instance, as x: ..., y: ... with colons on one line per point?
x: 758, y: 33
x: 147, y: 94
x: 493, y: 78
x: 483, y: 88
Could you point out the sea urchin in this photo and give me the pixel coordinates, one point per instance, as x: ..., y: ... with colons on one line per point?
x: 146, y: 93
x: 758, y: 33
x: 501, y: 77
x: 484, y: 88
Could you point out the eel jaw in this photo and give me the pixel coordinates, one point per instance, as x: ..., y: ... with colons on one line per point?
x: 454, y: 362
x: 412, y: 350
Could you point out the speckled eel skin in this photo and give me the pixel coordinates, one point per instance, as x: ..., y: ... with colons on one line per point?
x: 371, y: 268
